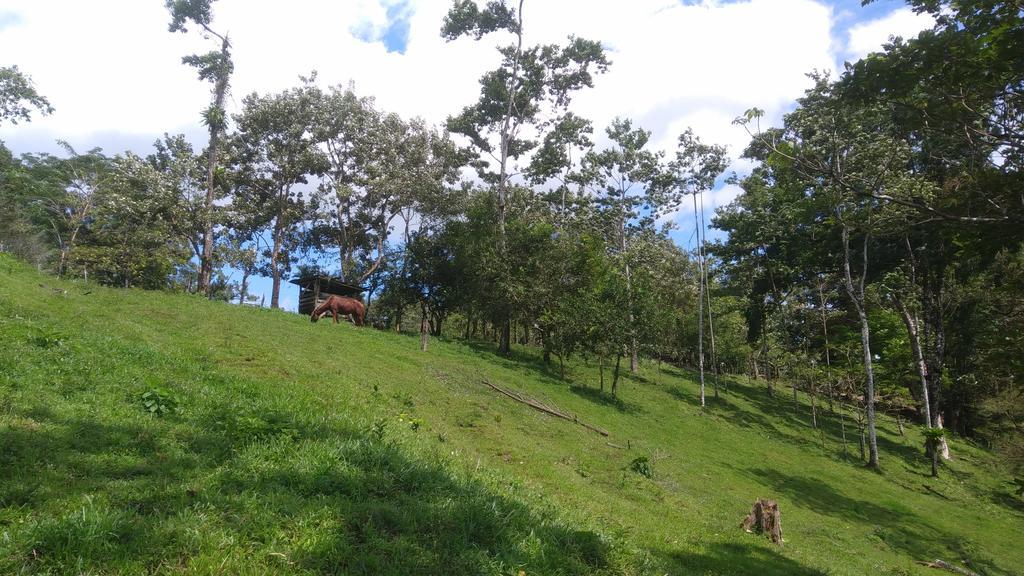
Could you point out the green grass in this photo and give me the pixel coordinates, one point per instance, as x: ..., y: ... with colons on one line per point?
x: 297, y: 448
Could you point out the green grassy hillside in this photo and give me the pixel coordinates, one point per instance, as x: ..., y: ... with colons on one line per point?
x: 301, y: 448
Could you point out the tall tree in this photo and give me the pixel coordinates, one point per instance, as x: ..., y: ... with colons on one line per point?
x: 214, y: 67
x: 848, y: 161
x: 276, y: 155
x: 697, y: 166
x: 532, y: 88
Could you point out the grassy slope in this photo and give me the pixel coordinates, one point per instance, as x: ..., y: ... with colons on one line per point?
x: 294, y: 451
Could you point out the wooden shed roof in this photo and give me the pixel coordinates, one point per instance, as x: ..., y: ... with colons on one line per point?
x: 327, y: 284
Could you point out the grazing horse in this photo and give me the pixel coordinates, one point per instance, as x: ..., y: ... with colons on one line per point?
x: 343, y: 305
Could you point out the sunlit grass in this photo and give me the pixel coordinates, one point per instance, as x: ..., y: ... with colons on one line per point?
x: 299, y: 448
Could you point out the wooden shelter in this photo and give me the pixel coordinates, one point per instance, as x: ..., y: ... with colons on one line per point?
x: 313, y: 290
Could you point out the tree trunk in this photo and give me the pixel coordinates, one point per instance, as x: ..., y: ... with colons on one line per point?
x: 244, y: 291
x: 615, y: 377
x: 842, y: 428
x: 910, y: 322
x: 423, y: 326
x: 504, y: 346
x: 936, y: 352
x: 505, y: 341
x: 275, y: 271
x: 707, y: 293
x: 857, y: 296
x: 219, y: 93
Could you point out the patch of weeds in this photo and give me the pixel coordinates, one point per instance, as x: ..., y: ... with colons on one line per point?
x: 642, y: 466
x: 404, y: 400
x: 46, y: 341
x: 378, y: 428
x: 414, y: 423
x: 469, y: 419
x: 159, y: 401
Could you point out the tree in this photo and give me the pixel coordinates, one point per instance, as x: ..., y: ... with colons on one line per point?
x: 214, y: 67
x: 183, y: 204
x: 18, y: 96
x: 532, y: 88
x: 626, y: 182
x: 276, y: 153
x: 697, y: 165
x: 83, y: 176
x: 847, y: 160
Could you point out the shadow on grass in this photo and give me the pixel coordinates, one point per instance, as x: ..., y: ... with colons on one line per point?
x: 597, y: 396
x: 1007, y: 500
x: 518, y: 360
x: 895, y: 525
x: 328, y: 498
x: 736, y: 559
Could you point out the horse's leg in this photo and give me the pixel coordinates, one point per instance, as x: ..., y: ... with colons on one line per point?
x: 335, y: 315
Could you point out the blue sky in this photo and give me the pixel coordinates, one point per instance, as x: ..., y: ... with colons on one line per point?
x: 114, y: 73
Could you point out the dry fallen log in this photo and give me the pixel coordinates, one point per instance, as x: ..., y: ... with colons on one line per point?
x: 536, y: 404
x: 765, y: 518
x: 947, y: 566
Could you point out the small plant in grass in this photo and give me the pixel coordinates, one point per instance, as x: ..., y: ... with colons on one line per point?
x: 46, y: 341
x: 378, y: 428
x: 414, y: 423
x: 642, y: 466
x: 159, y: 401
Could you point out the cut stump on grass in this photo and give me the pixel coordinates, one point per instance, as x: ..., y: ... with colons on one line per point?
x: 765, y: 518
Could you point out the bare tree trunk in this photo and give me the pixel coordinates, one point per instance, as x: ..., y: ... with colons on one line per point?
x: 615, y: 377
x: 842, y: 428
x: 275, y: 271
x: 423, y: 326
x: 507, y: 128
x: 857, y: 296
x: 244, y: 291
x: 700, y: 304
x: 915, y: 345
x: 823, y: 305
x: 707, y: 293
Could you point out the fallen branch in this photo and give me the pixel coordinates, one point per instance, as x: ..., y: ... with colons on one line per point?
x: 936, y: 492
x: 537, y: 405
x: 947, y: 566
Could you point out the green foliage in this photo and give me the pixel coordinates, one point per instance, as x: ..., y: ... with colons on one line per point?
x: 18, y: 97
x: 642, y: 466
x: 159, y: 402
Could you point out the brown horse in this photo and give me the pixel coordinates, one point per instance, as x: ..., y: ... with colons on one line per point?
x: 343, y: 305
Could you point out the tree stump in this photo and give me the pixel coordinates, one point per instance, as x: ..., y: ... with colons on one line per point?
x: 765, y: 518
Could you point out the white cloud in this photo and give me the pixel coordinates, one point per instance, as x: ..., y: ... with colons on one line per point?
x: 112, y: 67
x: 868, y: 37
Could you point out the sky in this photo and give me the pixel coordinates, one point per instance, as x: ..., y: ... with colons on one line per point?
x: 113, y: 72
